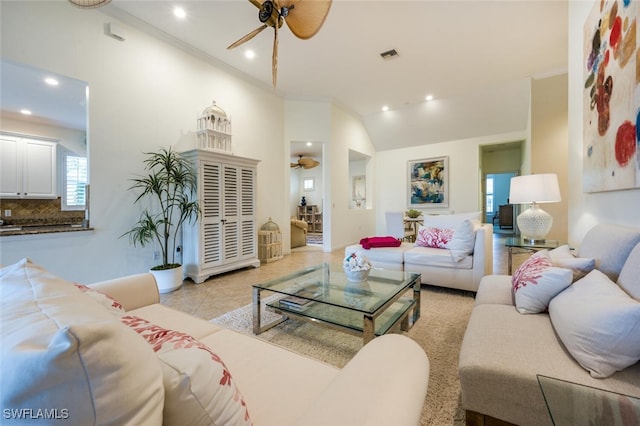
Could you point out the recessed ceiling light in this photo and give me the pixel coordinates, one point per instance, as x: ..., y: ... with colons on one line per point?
x: 25, y: 112
x: 429, y: 97
x: 249, y: 54
x: 179, y: 12
x: 51, y: 81
x: 309, y: 144
x: 385, y: 108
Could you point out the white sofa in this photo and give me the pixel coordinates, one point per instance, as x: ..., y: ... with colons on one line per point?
x: 503, y: 350
x: 67, y: 350
x: 436, y: 265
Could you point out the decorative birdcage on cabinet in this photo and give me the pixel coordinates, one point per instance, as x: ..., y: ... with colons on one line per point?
x: 269, y: 242
x: 214, y: 129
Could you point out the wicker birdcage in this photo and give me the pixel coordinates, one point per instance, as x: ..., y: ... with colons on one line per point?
x: 269, y: 242
x: 214, y: 129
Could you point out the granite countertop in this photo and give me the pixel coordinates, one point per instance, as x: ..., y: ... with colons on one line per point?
x: 10, y: 230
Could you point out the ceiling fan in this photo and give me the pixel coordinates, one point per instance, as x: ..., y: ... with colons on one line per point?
x: 305, y: 163
x: 304, y: 19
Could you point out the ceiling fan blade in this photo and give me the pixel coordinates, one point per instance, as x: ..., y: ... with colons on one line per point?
x: 311, y: 164
x: 256, y: 3
x: 274, y: 58
x: 306, y: 17
x: 247, y: 37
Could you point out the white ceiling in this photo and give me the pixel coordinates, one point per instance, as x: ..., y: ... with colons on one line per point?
x: 475, y: 57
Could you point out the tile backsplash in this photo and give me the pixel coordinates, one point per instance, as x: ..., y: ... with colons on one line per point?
x: 38, y: 212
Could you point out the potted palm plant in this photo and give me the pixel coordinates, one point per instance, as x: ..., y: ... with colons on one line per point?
x: 169, y: 186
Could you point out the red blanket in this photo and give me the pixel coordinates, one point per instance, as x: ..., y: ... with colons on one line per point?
x: 370, y: 242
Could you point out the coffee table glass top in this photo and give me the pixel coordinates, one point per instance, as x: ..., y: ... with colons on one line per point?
x: 576, y: 404
x: 328, y: 284
x: 524, y: 243
x: 323, y: 294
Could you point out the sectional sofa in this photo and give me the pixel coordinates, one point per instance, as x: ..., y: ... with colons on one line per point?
x: 589, y: 335
x: 109, y: 353
x: 441, y: 267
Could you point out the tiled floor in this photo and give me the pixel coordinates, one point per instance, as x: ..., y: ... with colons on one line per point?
x: 229, y: 291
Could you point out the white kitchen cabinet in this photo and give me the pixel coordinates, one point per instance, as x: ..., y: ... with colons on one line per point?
x: 27, y: 168
x: 225, y: 236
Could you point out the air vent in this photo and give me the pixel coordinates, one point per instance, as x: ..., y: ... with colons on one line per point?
x: 389, y: 54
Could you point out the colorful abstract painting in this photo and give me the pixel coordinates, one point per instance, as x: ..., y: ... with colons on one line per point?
x: 611, y: 158
x: 429, y: 182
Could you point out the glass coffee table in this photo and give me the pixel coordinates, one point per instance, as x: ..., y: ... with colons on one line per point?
x: 322, y: 294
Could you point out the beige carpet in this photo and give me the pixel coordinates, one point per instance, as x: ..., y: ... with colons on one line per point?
x: 440, y: 329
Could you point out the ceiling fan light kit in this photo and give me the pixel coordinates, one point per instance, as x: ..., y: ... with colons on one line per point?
x: 305, y: 163
x: 304, y: 19
x: 89, y: 4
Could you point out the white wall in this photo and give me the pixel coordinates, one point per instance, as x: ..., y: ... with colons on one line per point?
x: 464, y: 175
x: 586, y: 210
x: 144, y: 94
x: 347, y: 225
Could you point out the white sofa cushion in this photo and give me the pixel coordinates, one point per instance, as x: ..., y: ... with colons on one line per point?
x: 536, y: 282
x: 562, y: 258
x: 598, y: 323
x: 429, y: 256
x: 62, y: 350
x: 199, y: 389
x: 381, y: 254
x: 629, y: 279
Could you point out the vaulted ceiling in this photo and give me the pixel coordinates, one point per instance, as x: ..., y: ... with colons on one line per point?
x: 475, y: 58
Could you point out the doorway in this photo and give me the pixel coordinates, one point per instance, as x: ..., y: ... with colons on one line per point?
x: 306, y: 199
x: 499, y: 211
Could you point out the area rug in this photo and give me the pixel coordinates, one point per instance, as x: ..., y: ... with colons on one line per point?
x: 439, y: 331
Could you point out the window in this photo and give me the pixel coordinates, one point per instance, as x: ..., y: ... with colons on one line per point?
x: 74, y: 181
x: 308, y: 184
x: 489, y: 206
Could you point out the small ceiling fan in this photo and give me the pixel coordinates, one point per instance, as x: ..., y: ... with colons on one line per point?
x: 305, y: 163
x: 303, y: 17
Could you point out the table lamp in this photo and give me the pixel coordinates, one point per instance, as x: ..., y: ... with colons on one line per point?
x: 534, y: 223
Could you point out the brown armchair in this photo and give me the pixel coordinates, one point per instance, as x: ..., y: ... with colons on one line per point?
x: 298, y: 233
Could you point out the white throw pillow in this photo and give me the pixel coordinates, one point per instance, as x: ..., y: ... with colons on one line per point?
x: 599, y: 324
x: 199, y: 389
x: 537, y: 281
x: 629, y: 278
x: 464, y: 239
x: 563, y: 258
x: 62, y: 351
x: 449, y: 220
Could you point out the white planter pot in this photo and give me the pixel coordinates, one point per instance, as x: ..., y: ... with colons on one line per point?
x: 168, y: 280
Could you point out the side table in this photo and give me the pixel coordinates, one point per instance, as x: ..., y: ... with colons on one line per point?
x: 525, y: 246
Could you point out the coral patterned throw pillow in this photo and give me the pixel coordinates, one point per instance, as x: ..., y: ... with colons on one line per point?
x: 199, y: 389
x: 537, y: 281
x: 434, y: 237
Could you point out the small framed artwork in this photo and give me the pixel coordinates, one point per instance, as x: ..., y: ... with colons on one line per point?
x: 308, y: 184
x: 428, y: 182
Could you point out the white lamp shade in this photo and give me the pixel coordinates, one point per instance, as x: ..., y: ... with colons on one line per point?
x: 541, y: 188
x: 534, y: 223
